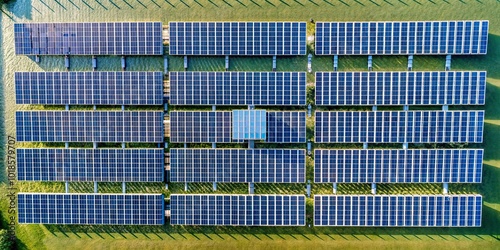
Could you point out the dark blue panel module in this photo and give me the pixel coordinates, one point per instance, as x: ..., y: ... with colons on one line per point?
x: 237, y: 165
x: 398, y: 166
x: 91, y: 209
x: 200, y: 126
x: 89, y: 88
x: 89, y: 126
x: 237, y: 210
x: 286, y: 127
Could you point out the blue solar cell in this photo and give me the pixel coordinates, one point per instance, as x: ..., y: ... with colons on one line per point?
x: 237, y: 165
x: 89, y: 165
x: 143, y: 38
x: 237, y: 210
x: 399, y: 127
x: 401, y: 38
x: 89, y: 126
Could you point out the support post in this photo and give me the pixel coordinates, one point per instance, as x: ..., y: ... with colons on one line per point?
x: 334, y: 188
x: 123, y: 107
x: 445, y: 108
x: 447, y: 65
x: 227, y: 63
x: 123, y: 144
x: 95, y: 145
x: 214, y: 186
x: 96, y: 189
x: 309, y: 110
x: 370, y: 63
x: 165, y: 65
x: 124, y: 63
x: 374, y: 188
x: 406, y: 108
x: 95, y: 107
x: 365, y: 145
x: 94, y: 63
x: 309, y: 63
x: 374, y: 108
x: 124, y: 187
x: 251, y: 144
x: 405, y: 145
x: 66, y: 62
x: 251, y: 188
x: 214, y: 108
x: 214, y: 145
x: 274, y: 63
x: 66, y: 107
x: 166, y: 186
x: 309, y: 147
x: 185, y: 63
x: 410, y: 62
x: 185, y: 187
x: 66, y: 187
x: 445, y: 188
x: 165, y: 107
x: 37, y: 58
x: 308, y: 188
x: 185, y: 145
x: 335, y: 62
x: 66, y: 145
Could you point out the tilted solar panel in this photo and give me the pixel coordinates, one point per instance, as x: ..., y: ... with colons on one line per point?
x: 119, y: 38
x: 90, y: 165
x: 402, y: 38
x: 89, y: 88
x: 238, y: 88
x: 237, y: 165
x: 401, y: 88
x: 91, y: 209
x: 237, y: 210
x: 398, y: 166
x: 89, y: 126
x: 237, y: 38
x: 399, y: 127
x: 200, y: 126
x: 398, y: 210
x: 286, y: 127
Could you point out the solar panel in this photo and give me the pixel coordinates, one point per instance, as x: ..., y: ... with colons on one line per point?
x: 89, y: 126
x: 237, y: 165
x: 401, y: 88
x: 399, y: 127
x: 200, y: 126
x: 237, y: 210
x: 398, y: 166
x: 249, y: 124
x: 398, y: 210
x: 237, y: 38
x: 90, y: 165
x: 286, y: 127
x: 238, y: 88
x: 91, y: 209
x: 89, y: 88
x: 401, y: 38
x: 124, y: 38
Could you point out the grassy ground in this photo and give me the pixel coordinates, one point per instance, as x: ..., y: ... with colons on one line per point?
x: 161, y: 237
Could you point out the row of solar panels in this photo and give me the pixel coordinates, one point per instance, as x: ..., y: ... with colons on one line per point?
x: 251, y: 165
x: 216, y: 127
x: 252, y: 38
x: 399, y: 127
x: 251, y: 210
x: 89, y: 126
x: 117, y: 38
x: 401, y: 88
x: 89, y: 88
x: 251, y: 88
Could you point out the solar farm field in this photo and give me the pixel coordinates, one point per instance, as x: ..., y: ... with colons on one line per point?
x: 35, y: 236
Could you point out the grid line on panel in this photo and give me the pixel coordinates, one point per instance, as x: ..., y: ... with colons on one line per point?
x: 200, y: 126
x: 286, y: 127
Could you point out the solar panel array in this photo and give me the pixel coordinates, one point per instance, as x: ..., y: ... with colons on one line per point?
x: 238, y: 165
x: 89, y: 126
x: 401, y: 88
x: 401, y: 38
x: 398, y: 210
x: 286, y: 127
x: 89, y: 88
x: 89, y: 165
x: 200, y: 126
x: 238, y: 88
x: 127, y: 38
x: 249, y: 124
x: 237, y: 38
x: 238, y: 210
x: 91, y: 209
x: 398, y: 166
x: 399, y: 127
